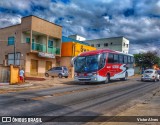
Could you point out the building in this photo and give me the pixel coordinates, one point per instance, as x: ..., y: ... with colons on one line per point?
x: 37, y: 45
x: 114, y: 43
x: 77, y: 37
x: 71, y: 48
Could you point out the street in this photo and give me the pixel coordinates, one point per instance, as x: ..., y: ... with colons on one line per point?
x: 77, y: 99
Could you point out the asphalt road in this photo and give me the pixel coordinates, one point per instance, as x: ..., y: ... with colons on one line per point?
x: 76, y: 99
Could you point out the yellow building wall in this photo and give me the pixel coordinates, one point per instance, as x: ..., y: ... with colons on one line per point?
x: 74, y: 49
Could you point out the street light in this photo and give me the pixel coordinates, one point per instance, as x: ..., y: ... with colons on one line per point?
x: 15, y: 48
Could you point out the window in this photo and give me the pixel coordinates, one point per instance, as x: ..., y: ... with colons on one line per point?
x: 129, y: 59
x: 10, y: 40
x: 125, y: 59
x: 50, y: 43
x: 11, y: 58
x: 115, y: 58
x: 105, y: 44
x: 102, y: 60
x: 127, y: 45
x: 120, y: 58
x: 110, y: 58
x: 111, y: 43
x: 92, y: 45
x: 98, y: 45
x: 124, y: 44
x: 27, y: 40
x: 132, y: 59
x: 58, y: 68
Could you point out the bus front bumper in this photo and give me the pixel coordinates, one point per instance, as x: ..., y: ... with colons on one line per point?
x: 93, y: 78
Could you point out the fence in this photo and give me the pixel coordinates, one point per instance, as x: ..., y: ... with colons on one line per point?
x: 4, y: 74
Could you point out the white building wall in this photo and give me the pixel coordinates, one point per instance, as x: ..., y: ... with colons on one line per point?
x: 77, y: 37
x: 116, y: 43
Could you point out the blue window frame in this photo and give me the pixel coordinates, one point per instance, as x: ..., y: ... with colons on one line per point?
x: 27, y: 40
x: 11, y: 40
x: 50, y: 44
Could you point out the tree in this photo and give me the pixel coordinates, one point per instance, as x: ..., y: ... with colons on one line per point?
x: 147, y: 59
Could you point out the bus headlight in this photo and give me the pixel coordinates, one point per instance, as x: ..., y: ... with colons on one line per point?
x: 94, y: 73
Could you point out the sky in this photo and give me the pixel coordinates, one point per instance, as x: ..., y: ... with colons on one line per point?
x: 137, y: 20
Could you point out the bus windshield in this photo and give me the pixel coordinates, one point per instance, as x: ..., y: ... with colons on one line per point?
x: 86, y: 64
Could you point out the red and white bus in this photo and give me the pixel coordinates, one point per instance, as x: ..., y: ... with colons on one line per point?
x: 103, y: 66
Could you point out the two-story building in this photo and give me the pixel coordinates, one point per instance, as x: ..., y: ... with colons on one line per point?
x: 34, y: 44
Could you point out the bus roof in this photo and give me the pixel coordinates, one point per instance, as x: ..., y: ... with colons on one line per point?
x: 94, y: 52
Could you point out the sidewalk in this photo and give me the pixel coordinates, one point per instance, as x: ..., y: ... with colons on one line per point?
x: 34, y: 84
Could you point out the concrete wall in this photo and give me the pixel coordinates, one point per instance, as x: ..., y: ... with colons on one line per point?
x: 41, y: 64
x: 115, y: 43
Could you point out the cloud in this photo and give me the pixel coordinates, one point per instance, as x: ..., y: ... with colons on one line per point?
x: 139, y: 21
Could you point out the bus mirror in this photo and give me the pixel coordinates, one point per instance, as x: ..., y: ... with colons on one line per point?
x: 73, y: 60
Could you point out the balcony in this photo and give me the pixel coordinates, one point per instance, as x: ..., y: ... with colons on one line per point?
x: 43, y: 48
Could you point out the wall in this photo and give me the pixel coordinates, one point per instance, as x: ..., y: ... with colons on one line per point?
x: 41, y: 64
x: 74, y: 49
x: 46, y: 27
x: 117, y: 43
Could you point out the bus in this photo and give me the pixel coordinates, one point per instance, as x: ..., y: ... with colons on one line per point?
x: 102, y: 66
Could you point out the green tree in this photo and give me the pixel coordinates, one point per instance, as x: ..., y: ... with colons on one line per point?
x: 147, y: 59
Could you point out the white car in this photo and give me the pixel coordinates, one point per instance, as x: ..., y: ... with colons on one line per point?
x: 150, y: 75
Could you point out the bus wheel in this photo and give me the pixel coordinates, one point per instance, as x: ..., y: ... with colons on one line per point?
x: 107, y: 79
x: 125, y: 78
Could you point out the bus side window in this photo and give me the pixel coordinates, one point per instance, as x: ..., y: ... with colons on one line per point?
x: 110, y: 58
x: 115, y: 58
x: 129, y: 60
x: 102, y: 61
x: 120, y: 58
x: 132, y: 60
x: 125, y: 59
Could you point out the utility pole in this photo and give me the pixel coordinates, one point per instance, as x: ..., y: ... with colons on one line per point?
x: 15, y: 48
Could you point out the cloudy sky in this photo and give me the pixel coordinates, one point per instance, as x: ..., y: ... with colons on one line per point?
x: 137, y: 20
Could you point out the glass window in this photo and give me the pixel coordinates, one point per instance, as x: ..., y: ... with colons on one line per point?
x: 120, y: 58
x: 110, y: 58
x: 98, y: 45
x: 132, y: 59
x: 86, y: 63
x: 105, y: 44
x: 125, y: 59
x: 102, y: 60
x: 115, y: 58
x: 50, y: 43
x: 10, y: 40
x: 11, y: 58
x: 92, y: 45
x: 129, y: 59
x: 27, y: 40
x: 58, y: 68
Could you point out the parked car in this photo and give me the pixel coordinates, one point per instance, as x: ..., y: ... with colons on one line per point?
x: 57, y: 71
x: 150, y: 75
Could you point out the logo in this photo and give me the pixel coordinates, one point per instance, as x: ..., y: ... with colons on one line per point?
x: 6, y: 119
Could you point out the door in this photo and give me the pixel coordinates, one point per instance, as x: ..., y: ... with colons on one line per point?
x: 34, y: 67
x: 48, y: 65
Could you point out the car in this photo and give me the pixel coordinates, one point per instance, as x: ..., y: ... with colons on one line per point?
x: 60, y: 71
x: 150, y: 75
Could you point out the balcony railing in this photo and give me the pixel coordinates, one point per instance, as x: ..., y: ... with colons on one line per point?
x: 42, y: 48
x: 38, y: 47
x: 54, y: 50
